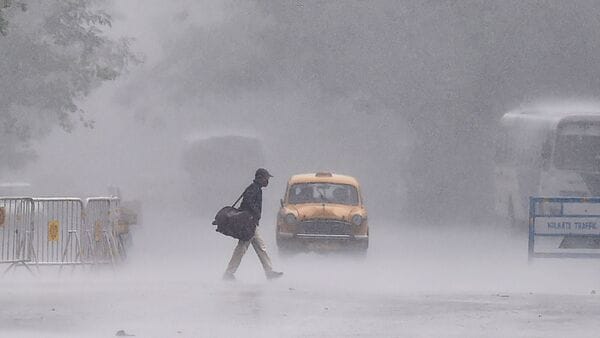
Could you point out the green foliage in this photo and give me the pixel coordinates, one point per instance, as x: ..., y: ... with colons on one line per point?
x: 52, y: 55
x: 5, y: 5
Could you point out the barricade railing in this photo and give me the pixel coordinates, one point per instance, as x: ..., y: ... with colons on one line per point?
x: 563, y: 227
x: 16, y: 230
x: 59, y: 231
x: 117, y: 227
x: 101, y: 214
x: 58, y: 226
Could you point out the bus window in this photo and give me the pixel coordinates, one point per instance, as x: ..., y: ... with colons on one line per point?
x: 578, y: 148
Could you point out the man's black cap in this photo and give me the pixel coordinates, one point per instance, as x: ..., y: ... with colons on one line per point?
x: 262, y: 172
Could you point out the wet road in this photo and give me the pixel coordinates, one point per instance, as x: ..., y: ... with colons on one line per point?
x: 425, y: 283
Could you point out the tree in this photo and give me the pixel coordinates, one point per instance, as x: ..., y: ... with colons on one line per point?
x: 5, y: 4
x: 52, y: 54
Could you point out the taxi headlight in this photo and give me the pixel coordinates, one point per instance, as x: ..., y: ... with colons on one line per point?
x: 290, y: 219
x: 357, y: 219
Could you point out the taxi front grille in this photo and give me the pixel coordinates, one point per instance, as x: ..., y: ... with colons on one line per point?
x: 325, y: 227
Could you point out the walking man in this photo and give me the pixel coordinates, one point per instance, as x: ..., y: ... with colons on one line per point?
x: 252, y: 202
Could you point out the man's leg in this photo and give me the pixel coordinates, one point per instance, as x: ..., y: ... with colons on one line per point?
x: 261, y: 250
x: 236, y: 258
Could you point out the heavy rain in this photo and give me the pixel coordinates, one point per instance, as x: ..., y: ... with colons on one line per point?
x: 141, y: 119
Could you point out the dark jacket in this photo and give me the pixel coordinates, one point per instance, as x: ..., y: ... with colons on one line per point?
x: 252, y: 200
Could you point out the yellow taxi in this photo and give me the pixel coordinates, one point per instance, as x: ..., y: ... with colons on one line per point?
x: 322, y: 211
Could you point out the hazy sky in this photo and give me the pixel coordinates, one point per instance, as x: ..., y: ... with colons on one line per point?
x: 405, y: 95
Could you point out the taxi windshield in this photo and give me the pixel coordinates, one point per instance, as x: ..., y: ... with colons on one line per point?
x: 323, y: 193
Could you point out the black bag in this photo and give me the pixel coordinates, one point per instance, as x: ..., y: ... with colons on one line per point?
x: 236, y: 223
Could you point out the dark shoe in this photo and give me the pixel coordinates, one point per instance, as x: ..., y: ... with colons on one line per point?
x: 228, y: 276
x: 273, y: 274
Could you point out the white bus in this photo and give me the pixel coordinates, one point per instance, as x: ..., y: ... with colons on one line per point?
x: 548, y: 152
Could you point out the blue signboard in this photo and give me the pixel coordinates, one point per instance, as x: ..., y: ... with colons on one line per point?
x: 564, y: 227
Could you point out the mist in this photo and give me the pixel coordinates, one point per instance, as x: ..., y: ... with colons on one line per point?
x: 411, y: 92
x: 406, y: 96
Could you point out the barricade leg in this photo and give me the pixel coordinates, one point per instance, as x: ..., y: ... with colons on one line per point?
x: 109, y: 244
x: 90, y: 252
x: 64, y: 255
x: 121, y: 247
x: 21, y: 255
x: 15, y: 264
x: 32, y: 255
x: 77, y: 250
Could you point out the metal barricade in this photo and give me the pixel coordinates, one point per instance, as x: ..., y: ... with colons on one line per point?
x: 119, y: 229
x: 101, y: 217
x: 16, y: 230
x: 58, y: 225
